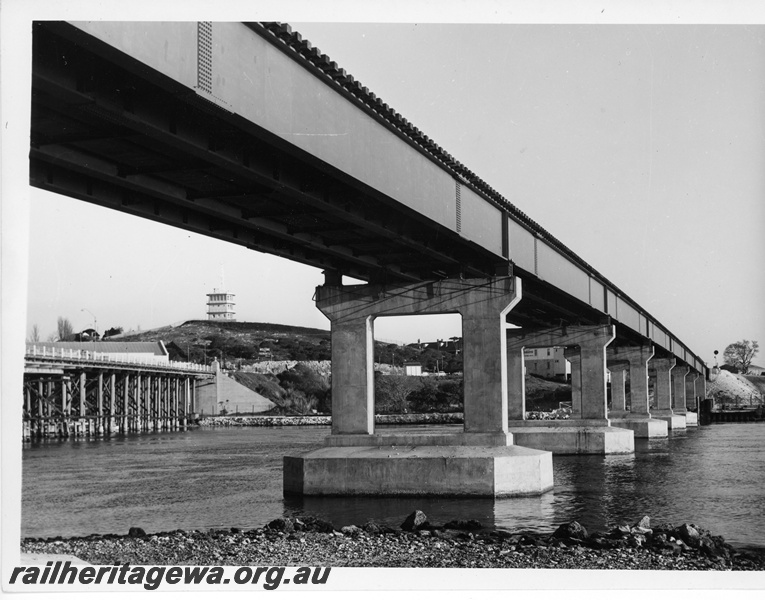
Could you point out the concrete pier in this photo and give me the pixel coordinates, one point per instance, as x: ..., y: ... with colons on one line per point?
x: 572, y: 355
x: 634, y: 361
x: 589, y: 431
x: 679, y: 400
x: 662, y: 368
x: 691, y: 400
x: 480, y: 461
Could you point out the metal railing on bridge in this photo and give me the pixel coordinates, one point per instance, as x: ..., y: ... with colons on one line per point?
x: 71, y: 355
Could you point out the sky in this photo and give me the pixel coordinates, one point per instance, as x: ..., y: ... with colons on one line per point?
x: 640, y: 147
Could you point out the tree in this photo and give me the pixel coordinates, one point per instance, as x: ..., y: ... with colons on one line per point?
x: 740, y: 354
x: 34, y: 335
x: 64, y: 328
x: 391, y: 392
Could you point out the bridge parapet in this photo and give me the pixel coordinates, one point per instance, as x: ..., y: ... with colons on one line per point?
x: 35, y: 353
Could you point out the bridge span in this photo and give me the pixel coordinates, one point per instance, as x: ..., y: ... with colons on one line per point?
x: 78, y: 393
x: 247, y: 133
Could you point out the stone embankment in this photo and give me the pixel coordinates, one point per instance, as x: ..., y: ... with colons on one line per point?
x: 417, y: 543
x: 282, y: 421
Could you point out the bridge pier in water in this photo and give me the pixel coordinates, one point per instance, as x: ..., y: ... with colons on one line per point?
x: 479, y: 461
x: 633, y: 360
x: 662, y: 369
x: 695, y: 389
x: 679, y: 402
x: 589, y: 430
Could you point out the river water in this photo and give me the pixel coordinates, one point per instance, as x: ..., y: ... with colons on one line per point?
x: 219, y: 478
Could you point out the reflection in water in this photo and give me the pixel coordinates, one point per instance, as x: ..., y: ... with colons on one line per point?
x: 711, y: 476
x: 390, y: 510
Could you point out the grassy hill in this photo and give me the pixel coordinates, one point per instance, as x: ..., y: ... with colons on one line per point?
x: 245, y: 341
x: 732, y: 386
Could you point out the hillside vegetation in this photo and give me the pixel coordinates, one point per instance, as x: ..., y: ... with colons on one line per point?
x: 200, y: 341
x: 243, y: 343
x: 733, y: 387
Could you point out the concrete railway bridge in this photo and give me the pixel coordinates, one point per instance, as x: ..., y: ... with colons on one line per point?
x: 247, y: 133
x: 74, y: 393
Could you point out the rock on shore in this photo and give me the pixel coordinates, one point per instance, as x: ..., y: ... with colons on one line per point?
x: 311, y: 541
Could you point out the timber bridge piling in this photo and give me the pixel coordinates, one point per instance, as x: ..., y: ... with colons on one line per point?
x: 89, y: 394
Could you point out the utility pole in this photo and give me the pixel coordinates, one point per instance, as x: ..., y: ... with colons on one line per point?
x: 95, y: 321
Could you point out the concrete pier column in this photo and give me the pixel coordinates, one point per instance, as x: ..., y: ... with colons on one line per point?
x: 594, y: 381
x: 663, y: 390
x: 353, y: 405
x: 701, y: 386
x: 690, y: 390
x: 663, y: 393
x: 690, y: 404
x: 572, y: 355
x: 516, y: 385
x: 484, y: 369
x: 638, y: 358
x: 679, y: 374
x: 618, y: 390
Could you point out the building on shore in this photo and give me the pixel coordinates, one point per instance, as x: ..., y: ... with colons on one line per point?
x: 220, y: 306
x: 549, y: 363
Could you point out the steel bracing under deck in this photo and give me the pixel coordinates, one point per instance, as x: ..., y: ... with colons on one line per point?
x: 65, y: 397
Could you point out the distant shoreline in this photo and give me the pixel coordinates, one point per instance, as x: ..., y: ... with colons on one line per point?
x: 316, y: 420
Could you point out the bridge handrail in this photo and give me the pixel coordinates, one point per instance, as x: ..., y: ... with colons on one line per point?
x: 86, y: 355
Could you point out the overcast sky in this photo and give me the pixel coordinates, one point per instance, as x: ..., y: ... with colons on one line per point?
x: 640, y: 147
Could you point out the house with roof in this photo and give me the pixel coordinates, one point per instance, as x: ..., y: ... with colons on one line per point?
x: 549, y: 363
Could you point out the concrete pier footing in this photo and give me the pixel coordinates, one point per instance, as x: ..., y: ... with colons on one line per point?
x: 647, y: 427
x: 573, y: 436
x: 431, y: 469
x: 673, y: 420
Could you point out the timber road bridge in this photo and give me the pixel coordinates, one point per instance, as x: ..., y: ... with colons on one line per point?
x: 248, y: 133
x: 79, y: 393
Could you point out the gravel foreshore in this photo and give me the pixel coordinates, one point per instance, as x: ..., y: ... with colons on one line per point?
x: 312, y: 542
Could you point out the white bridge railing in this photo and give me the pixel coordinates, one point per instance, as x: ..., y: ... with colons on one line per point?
x: 84, y: 355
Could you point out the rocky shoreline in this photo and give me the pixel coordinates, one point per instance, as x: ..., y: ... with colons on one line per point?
x: 417, y: 543
x: 304, y: 420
